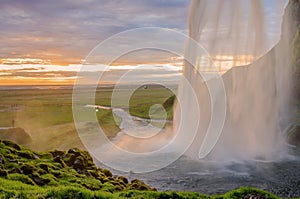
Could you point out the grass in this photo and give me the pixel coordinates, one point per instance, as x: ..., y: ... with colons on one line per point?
x: 143, y: 99
x: 46, y: 114
x: 15, y: 189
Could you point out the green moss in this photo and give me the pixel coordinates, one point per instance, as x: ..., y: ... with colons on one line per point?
x: 22, y: 178
x: 107, y: 172
x: 123, y: 179
x: 138, y: 185
x: 12, y: 167
x: 17, y: 189
x: 89, y: 183
x: 27, y: 169
x: 248, y: 192
x: 108, y: 187
x: 11, y: 145
x: 162, y: 195
x: 3, y: 173
x: 26, y: 154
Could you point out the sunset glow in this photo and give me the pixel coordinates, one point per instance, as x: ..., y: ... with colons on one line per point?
x: 46, y: 43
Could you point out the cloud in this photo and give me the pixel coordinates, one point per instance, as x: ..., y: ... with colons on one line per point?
x: 54, y: 74
x: 66, y: 31
x: 12, y: 61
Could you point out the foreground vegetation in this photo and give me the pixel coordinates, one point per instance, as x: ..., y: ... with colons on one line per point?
x: 72, y: 174
x: 20, y: 190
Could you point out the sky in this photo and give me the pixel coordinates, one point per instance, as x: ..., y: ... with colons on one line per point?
x: 44, y: 42
x: 64, y: 31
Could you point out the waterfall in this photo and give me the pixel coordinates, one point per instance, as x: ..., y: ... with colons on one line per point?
x: 238, y: 34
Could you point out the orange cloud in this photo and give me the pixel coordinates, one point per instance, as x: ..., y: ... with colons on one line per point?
x: 34, y: 81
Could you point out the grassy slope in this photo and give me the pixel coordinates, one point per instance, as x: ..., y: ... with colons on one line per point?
x: 59, y: 174
x: 143, y: 99
x: 47, y: 115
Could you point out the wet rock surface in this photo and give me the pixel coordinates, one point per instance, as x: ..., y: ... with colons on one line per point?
x: 281, y: 178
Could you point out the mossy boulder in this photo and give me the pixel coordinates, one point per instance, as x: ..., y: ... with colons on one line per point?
x: 59, y: 160
x: 78, y: 160
x: 11, y: 144
x: 27, y: 169
x: 39, y: 180
x: 1, y: 159
x: 123, y: 179
x: 139, y: 185
x: 57, y: 153
x: 107, y: 172
x: 3, y: 173
x: 44, y: 167
x: 27, y: 154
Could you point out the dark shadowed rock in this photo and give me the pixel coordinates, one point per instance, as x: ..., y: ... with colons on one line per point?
x: 27, y: 169
x: 3, y: 173
x: 26, y: 154
x: 123, y: 179
x: 44, y: 167
x: 39, y: 180
x: 56, y: 153
x: 60, y: 161
x: 11, y: 144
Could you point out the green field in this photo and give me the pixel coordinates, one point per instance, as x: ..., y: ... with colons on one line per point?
x: 46, y: 114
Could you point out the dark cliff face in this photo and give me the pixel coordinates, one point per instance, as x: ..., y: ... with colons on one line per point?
x: 291, y: 30
x: 291, y: 18
x: 291, y: 36
x: 292, y: 15
x: 295, y: 15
